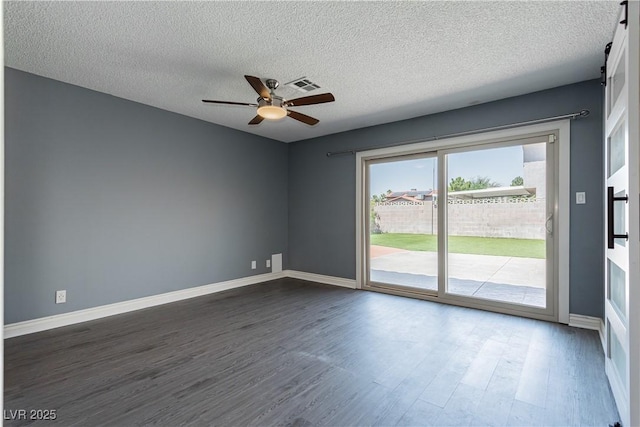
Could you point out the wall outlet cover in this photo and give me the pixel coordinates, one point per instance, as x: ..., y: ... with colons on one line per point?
x: 253, y: 265
x: 61, y: 297
x: 268, y: 263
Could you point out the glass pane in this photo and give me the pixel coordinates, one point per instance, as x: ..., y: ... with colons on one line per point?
x: 617, y: 290
x: 616, y: 146
x: 617, y: 80
x: 619, y: 218
x: 403, y: 241
x: 496, y: 224
x: 617, y: 355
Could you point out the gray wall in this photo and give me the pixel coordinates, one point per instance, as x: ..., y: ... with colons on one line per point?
x: 322, y: 190
x: 113, y: 200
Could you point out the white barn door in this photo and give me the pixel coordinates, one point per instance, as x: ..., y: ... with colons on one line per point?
x: 622, y: 216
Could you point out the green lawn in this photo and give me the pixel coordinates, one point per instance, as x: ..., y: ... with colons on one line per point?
x: 525, y: 248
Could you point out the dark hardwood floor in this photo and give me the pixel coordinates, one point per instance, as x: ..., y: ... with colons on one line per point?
x: 295, y: 353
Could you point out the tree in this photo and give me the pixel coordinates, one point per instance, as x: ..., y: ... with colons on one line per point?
x: 480, y: 182
x: 517, y: 181
x: 477, y: 183
x: 459, y: 184
x: 374, y: 227
x: 379, y: 198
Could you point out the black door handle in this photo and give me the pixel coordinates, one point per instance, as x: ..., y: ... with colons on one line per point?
x: 611, y: 236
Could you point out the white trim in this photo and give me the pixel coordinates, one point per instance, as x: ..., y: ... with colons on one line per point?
x: 321, y: 278
x: 603, y: 337
x: 361, y: 262
x: 585, y: 322
x: 79, y: 316
x: 1, y: 209
x: 589, y: 322
x: 564, y: 213
x: 634, y: 292
x: 71, y: 318
x: 619, y: 391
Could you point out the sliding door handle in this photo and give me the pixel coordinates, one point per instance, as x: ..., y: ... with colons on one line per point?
x: 548, y: 224
x: 611, y: 235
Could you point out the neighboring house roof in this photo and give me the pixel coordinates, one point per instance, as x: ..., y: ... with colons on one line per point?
x: 422, y: 195
x: 402, y: 198
x: 409, y: 196
x: 410, y: 193
x: 493, y: 192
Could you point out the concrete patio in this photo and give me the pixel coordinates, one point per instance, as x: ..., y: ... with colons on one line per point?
x: 501, y: 278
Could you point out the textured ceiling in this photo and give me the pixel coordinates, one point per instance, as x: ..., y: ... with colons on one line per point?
x: 383, y: 61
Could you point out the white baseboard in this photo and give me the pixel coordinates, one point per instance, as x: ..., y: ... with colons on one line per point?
x: 65, y: 319
x: 584, y: 322
x: 71, y: 318
x: 588, y: 322
x: 320, y: 278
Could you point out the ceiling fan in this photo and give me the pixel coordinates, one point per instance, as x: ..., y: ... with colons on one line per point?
x: 274, y: 107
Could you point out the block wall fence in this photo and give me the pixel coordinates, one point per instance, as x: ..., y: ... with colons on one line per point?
x: 510, y: 218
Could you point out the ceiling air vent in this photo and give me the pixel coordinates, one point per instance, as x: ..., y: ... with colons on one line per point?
x: 303, y: 84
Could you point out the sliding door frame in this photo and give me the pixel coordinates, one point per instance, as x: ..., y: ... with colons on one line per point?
x: 560, y: 223
x: 551, y: 307
x: 385, y: 287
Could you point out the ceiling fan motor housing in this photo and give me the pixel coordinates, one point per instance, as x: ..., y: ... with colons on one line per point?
x: 272, y: 84
x: 276, y: 101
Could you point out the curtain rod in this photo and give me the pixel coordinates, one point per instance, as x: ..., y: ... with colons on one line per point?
x: 582, y: 113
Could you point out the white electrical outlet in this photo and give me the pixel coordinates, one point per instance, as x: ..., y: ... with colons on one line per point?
x: 61, y: 297
x: 581, y: 198
x: 253, y: 265
x: 268, y: 263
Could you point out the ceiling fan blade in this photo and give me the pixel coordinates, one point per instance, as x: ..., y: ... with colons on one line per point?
x: 310, y: 100
x: 302, y: 118
x: 259, y: 87
x: 210, y: 101
x: 256, y: 120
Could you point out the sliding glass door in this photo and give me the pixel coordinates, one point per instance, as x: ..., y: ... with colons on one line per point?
x: 498, y: 218
x: 469, y: 225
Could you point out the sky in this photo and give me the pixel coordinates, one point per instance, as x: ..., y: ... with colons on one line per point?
x: 498, y: 164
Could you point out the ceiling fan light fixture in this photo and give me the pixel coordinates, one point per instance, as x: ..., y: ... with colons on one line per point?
x: 274, y: 107
x: 272, y: 112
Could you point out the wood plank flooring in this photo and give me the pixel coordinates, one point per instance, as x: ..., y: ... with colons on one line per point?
x: 295, y: 353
